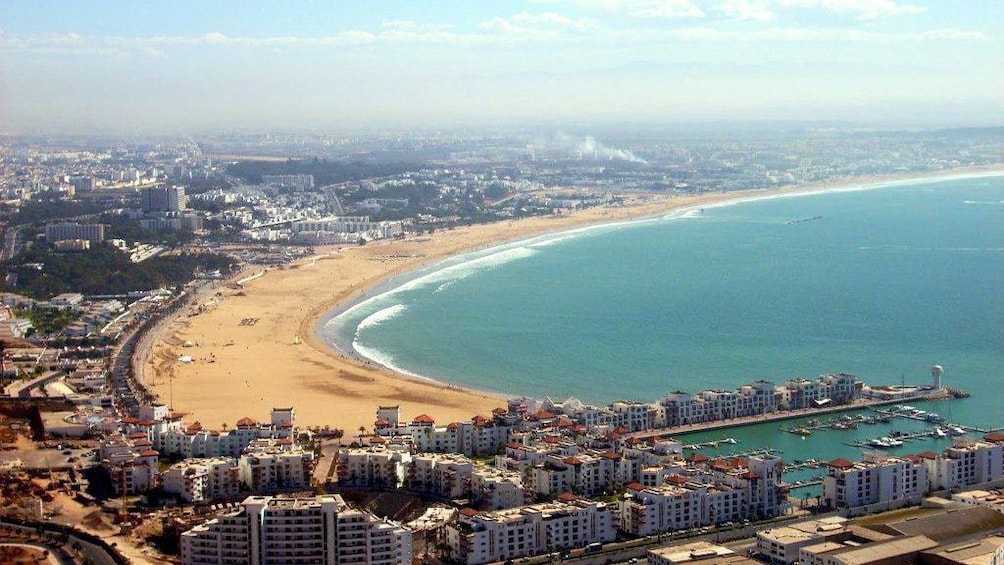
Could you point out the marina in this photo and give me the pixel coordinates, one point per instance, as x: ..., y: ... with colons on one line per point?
x: 781, y: 415
x: 712, y: 443
x: 940, y: 427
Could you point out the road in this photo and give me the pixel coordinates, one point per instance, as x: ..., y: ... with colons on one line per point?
x: 53, y: 557
x: 11, y: 237
x: 738, y: 539
x: 96, y: 553
x: 130, y: 355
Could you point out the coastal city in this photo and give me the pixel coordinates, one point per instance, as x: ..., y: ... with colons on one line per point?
x: 118, y: 448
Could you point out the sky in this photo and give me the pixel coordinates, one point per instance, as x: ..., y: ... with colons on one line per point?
x: 347, y: 65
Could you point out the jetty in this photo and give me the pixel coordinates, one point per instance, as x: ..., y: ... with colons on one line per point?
x: 923, y: 418
x: 711, y: 443
x: 815, y: 481
x: 779, y: 416
x: 903, y: 437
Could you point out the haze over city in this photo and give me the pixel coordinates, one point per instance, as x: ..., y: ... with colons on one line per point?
x: 547, y: 282
x: 176, y: 66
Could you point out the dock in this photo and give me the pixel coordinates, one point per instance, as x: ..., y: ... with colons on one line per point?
x: 767, y: 451
x: 861, y: 404
x: 810, y: 464
x: 711, y: 443
x: 904, y: 437
x: 905, y: 416
x: 816, y: 481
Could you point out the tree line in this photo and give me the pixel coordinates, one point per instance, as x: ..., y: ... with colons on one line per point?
x: 103, y: 269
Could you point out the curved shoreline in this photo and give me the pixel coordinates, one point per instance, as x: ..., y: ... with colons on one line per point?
x: 395, y: 282
x: 244, y: 370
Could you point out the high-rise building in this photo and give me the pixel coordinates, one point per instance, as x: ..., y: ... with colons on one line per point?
x: 70, y: 231
x: 297, y: 530
x: 83, y: 184
x: 163, y: 199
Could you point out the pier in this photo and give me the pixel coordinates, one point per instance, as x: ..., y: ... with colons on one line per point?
x: 808, y: 464
x: 861, y: 404
x: 905, y: 416
x: 712, y: 443
x: 815, y: 481
x: 904, y: 437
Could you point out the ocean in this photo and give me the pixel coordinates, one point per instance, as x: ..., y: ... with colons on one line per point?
x: 881, y: 283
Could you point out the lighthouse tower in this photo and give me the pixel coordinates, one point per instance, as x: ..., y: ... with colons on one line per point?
x: 936, y: 372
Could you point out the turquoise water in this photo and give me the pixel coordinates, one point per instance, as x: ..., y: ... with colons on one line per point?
x: 887, y: 283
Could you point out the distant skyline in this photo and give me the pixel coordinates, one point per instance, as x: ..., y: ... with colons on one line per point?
x: 352, y: 65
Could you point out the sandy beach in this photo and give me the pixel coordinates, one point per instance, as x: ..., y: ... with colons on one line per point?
x: 254, y: 348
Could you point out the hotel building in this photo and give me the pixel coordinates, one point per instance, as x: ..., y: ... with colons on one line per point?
x: 876, y: 479
x: 485, y: 537
x: 302, y: 530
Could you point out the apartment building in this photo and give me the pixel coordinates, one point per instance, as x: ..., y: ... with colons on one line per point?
x: 876, y: 479
x: 272, y: 465
x: 171, y: 438
x: 201, y: 480
x: 131, y: 463
x: 376, y: 465
x: 66, y: 231
x: 484, y: 537
x: 440, y: 474
x: 297, y: 530
x: 494, y: 489
x: 644, y: 511
x: 966, y: 463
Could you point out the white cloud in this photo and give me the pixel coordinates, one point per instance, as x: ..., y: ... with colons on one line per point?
x: 757, y: 10
x: 522, y: 28
x: 416, y: 27
x: 639, y: 8
x: 862, y: 9
x: 665, y: 9
x: 541, y: 25
x: 798, y: 34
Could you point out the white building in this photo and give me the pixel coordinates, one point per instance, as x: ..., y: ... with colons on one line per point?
x: 484, y: 537
x: 165, y: 430
x: 440, y: 474
x: 782, y: 544
x: 306, y: 530
x: 131, y: 463
x: 373, y: 466
x: 272, y: 465
x: 494, y: 489
x: 200, y: 480
x: 644, y: 511
x: 876, y: 479
x: 967, y: 463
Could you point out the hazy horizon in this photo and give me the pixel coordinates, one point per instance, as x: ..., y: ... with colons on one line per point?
x: 174, y: 66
